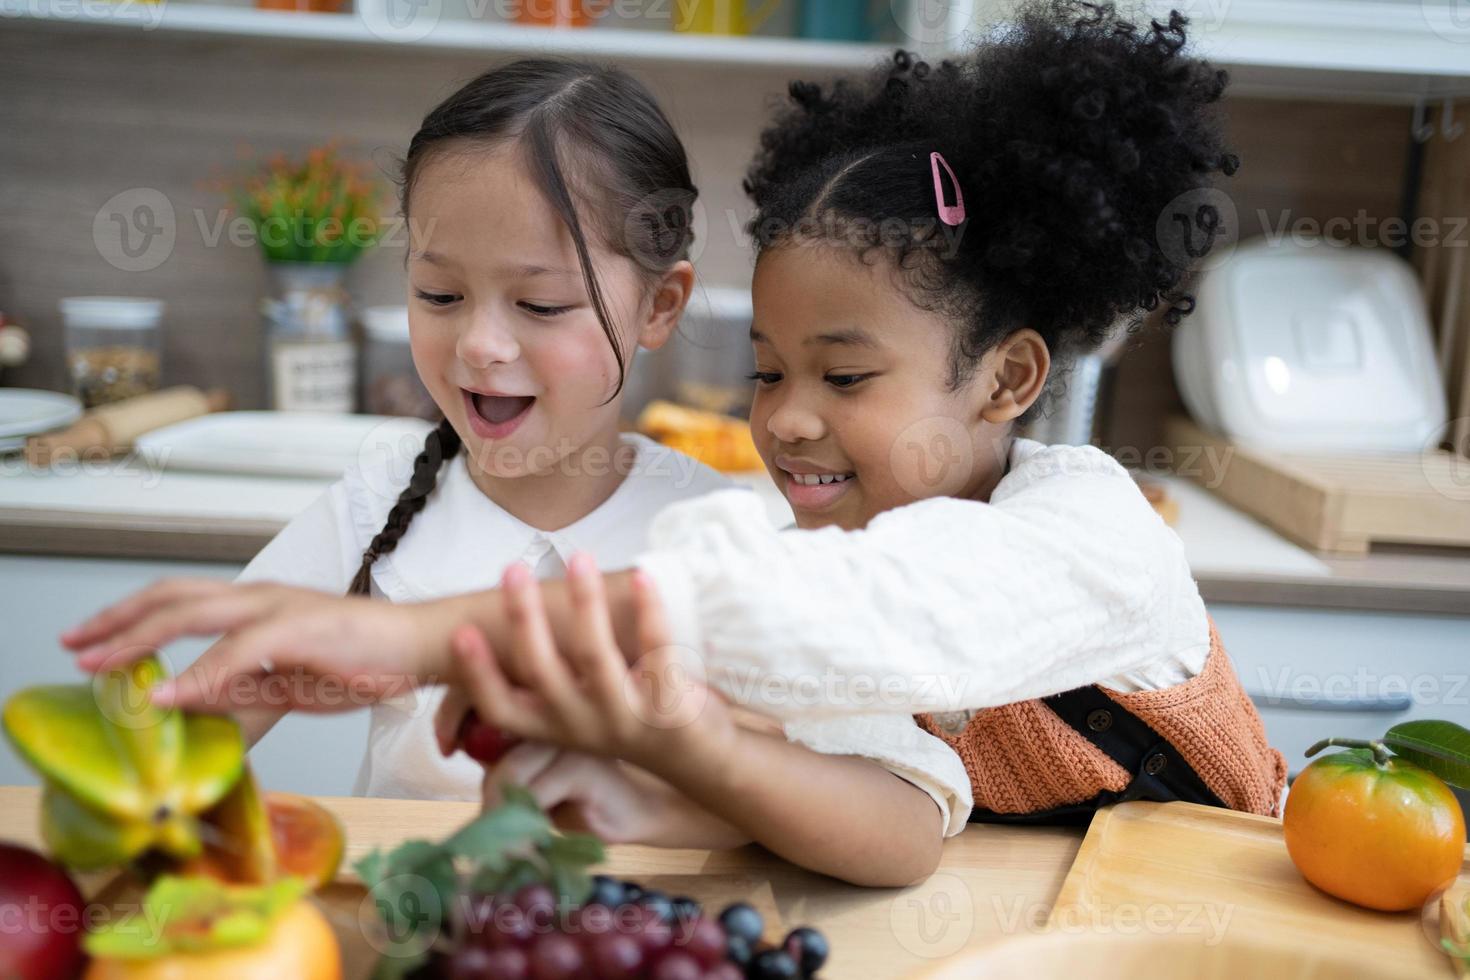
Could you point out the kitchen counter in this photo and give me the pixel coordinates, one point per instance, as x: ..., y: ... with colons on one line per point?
x: 124, y: 509
x: 993, y: 881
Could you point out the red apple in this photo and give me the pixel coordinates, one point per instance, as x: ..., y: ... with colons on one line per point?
x: 40, y: 918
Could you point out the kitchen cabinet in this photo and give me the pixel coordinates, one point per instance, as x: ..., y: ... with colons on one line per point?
x: 45, y: 595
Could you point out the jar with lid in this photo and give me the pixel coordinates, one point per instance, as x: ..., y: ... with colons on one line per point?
x: 390, y: 383
x: 112, y: 346
x: 311, y: 361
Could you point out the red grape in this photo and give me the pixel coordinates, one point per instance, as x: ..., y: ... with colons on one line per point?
x: 509, y: 964
x: 702, y: 939
x: 511, y: 927
x: 615, y: 956
x: 724, y: 971
x: 653, y: 933
x: 676, y: 965
x: 556, y: 957
x: 484, y: 743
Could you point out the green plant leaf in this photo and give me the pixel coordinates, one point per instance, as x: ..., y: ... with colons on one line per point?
x: 509, y: 827
x: 1442, y: 747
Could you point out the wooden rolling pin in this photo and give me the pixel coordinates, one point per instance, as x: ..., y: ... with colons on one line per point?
x: 112, y: 428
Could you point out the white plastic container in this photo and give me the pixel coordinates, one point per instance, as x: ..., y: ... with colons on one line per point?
x: 113, y: 349
x: 390, y: 383
x: 1312, y: 347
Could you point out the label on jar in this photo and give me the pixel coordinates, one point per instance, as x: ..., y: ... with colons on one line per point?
x: 314, y: 376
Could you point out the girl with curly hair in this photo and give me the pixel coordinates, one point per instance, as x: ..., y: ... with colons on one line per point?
x: 1006, y: 627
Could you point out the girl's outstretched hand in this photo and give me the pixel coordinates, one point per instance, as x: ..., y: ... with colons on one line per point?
x: 656, y: 714
x: 286, y: 647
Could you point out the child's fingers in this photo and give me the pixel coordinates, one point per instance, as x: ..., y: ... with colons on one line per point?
x: 600, y: 663
x: 449, y: 717
x: 124, y: 613
x: 541, y: 668
x: 201, y: 615
x: 653, y: 625
x: 209, y: 682
x: 496, y: 702
x: 671, y: 678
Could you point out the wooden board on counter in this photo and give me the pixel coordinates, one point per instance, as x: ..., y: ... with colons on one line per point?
x: 1229, y: 875
x: 1341, y: 503
x: 992, y: 882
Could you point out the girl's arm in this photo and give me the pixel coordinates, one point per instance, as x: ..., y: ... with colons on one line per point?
x: 1066, y: 578
x: 580, y: 694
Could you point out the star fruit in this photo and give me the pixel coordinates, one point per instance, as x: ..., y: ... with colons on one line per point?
x: 122, y: 776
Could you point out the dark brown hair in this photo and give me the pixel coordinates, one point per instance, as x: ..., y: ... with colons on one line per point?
x: 608, y: 126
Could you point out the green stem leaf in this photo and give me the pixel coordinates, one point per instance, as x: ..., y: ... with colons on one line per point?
x: 1442, y: 747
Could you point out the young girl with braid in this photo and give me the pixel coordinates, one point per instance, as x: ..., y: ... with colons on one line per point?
x: 931, y: 241
x: 531, y: 282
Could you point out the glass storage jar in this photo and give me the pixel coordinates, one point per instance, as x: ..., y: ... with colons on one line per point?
x: 112, y: 346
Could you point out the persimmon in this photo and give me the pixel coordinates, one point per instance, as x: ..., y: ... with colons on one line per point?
x: 1374, y: 829
x: 191, y: 927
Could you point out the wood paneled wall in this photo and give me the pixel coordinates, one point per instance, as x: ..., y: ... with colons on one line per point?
x: 86, y: 116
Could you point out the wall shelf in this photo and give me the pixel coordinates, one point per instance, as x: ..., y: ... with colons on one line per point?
x: 1362, y: 50
x: 426, y: 29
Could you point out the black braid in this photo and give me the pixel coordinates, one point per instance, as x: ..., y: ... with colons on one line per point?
x: 441, y: 444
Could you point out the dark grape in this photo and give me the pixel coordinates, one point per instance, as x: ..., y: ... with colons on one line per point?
x: 676, y: 965
x: 658, y: 903
x: 686, y: 909
x: 772, y: 964
x: 469, y: 963
x: 808, y: 948
x: 737, y: 950
x: 607, y: 891
x: 744, y: 921
x: 702, y: 939
x: 556, y: 957
x: 724, y: 971
x: 631, y: 891
x: 615, y: 956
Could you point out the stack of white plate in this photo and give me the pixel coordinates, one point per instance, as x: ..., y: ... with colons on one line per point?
x: 29, y: 412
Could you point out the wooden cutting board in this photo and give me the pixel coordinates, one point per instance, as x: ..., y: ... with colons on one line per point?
x: 1184, y: 868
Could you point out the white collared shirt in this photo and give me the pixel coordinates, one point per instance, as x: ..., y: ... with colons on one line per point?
x: 460, y: 542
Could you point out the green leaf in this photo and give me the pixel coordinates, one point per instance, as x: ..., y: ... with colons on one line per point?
x: 370, y: 868
x: 1442, y: 747
x: 575, y: 849
x: 412, y: 855
x: 509, y: 827
x: 518, y: 795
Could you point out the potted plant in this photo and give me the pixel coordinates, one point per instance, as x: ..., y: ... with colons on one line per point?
x: 313, y: 217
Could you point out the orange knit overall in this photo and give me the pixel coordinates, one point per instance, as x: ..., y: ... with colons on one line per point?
x: 1027, y: 764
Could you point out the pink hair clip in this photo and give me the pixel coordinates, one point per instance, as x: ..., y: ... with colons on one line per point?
x: 949, y: 215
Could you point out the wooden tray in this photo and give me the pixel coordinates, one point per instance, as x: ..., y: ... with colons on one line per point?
x: 1338, y: 503
x: 1225, y: 876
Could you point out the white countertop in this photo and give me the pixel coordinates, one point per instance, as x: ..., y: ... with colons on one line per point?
x: 1228, y: 551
